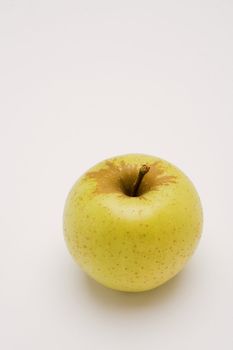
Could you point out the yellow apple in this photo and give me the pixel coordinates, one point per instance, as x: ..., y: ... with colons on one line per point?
x: 132, y: 222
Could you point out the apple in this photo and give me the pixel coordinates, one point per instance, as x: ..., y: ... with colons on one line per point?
x: 132, y: 222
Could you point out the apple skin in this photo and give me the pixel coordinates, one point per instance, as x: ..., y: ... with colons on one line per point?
x: 132, y: 243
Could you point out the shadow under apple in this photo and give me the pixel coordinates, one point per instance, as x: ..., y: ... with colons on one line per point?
x: 126, y: 301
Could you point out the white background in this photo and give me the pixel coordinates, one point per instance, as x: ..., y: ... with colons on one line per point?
x: 81, y: 81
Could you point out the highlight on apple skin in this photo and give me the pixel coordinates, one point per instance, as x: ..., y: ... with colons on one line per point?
x: 132, y: 222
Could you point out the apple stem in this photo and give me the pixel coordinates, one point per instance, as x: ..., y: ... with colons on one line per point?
x: 142, y: 172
